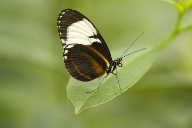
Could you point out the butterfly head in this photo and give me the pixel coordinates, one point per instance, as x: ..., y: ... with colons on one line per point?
x: 118, y: 62
x: 114, y: 64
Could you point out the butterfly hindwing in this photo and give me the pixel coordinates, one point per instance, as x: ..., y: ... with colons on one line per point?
x: 83, y: 63
x: 86, y: 55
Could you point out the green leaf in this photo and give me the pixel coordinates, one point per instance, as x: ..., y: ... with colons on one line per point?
x: 133, y: 69
x: 170, y: 1
x: 181, y: 5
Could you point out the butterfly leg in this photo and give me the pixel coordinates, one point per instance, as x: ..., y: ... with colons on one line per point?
x: 99, y: 84
x: 118, y: 80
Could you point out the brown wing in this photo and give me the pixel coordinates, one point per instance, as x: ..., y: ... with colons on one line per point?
x: 83, y: 62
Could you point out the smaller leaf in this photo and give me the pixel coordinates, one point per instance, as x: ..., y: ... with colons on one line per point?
x: 170, y: 1
x: 181, y: 5
x: 187, y: 4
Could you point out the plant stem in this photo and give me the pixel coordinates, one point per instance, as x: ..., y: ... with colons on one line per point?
x: 175, y: 31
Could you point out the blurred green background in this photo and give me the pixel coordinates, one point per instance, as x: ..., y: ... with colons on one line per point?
x: 33, y: 78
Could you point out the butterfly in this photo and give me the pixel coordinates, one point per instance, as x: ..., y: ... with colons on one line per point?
x: 85, y: 53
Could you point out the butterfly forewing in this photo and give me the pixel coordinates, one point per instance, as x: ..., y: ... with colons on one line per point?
x: 86, y: 55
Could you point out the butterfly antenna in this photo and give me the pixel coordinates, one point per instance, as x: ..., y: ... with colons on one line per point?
x: 133, y: 52
x: 131, y: 45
